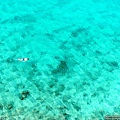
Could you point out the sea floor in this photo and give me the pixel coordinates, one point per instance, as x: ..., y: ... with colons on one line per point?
x: 74, y: 67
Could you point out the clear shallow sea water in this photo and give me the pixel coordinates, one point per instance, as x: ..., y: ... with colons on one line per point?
x: 74, y: 67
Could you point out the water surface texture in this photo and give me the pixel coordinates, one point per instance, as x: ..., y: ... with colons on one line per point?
x: 74, y: 67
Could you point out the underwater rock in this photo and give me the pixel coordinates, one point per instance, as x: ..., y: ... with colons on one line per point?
x: 113, y: 64
x: 77, y: 31
x: 24, y: 94
x: 60, y: 88
x: 9, y: 106
x: 9, y: 60
x: 52, y: 82
x: 62, y: 68
x: 76, y: 106
x: 1, y: 106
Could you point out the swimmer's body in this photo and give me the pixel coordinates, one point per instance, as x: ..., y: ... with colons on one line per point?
x: 22, y: 59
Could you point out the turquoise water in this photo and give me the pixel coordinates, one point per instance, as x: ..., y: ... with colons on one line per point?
x: 74, y: 67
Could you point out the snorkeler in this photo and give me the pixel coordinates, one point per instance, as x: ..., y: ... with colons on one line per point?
x: 23, y: 59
